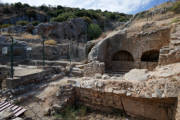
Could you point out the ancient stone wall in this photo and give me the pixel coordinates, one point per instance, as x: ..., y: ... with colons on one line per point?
x: 4, y: 72
x: 142, y: 108
x: 135, y: 45
x: 171, y: 53
x: 93, y: 68
x: 27, y: 79
x: 61, y: 51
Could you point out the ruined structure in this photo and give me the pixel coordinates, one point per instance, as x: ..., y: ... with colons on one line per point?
x: 134, y: 70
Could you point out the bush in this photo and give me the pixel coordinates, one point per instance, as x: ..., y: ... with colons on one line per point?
x: 176, y: 7
x: 122, y: 19
x: 175, y: 20
x: 35, y: 23
x: 50, y: 42
x: 44, y: 8
x: 94, y: 31
x: 63, y: 17
x: 23, y: 23
x: 18, y: 6
x: 87, y: 19
x: 5, y: 25
x: 72, y: 112
x: 31, y: 13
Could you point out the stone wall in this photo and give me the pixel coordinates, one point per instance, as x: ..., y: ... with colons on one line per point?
x: 141, y: 108
x: 4, y: 72
x: 171, y: 53
x: 136, y: 45
x: 27, y: 79
x: 93, y: 68
x: 60, y: 51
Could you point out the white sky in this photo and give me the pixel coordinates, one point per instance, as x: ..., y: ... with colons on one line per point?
x: 126, y: 6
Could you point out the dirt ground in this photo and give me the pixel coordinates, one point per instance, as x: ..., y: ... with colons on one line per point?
x: 43, y: 99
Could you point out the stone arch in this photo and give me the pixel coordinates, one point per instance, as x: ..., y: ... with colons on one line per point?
x: 150, y: 56
x: 122, y: 61
x: 122, y: 56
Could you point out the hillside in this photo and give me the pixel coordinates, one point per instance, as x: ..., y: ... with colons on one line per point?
x: 22, y: 14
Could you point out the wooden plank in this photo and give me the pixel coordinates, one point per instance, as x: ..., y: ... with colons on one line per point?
x: 10, y: 106
x: 20, y: 112
x: 18, y: 109
x: 1, y: 109
x: 3, y: 104
x: 15, y: 107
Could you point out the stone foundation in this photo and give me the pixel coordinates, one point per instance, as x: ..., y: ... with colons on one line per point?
x: 26, y: 80
x: 141, y: 108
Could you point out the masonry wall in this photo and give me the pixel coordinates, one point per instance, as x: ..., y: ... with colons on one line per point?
x: 148, y: 109
x: 135, y: 45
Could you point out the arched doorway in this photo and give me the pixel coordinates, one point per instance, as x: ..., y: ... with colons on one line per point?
x: 150, y: 56
x: 122, y: 61
x: 149, y: 59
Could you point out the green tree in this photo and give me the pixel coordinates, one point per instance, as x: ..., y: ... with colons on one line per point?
x: 94, y: 31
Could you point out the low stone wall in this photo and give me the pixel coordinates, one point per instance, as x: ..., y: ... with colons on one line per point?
x: 141, y: 108
x: 4, y: 72
x: 28, y: 79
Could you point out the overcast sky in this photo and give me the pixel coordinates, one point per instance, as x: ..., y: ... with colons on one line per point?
x: 125, y: 6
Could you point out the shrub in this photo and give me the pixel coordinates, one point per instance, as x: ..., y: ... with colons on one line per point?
x: 176, y: 7
x: 122, y: 19
x: 35, y: 23
x: 31, y: 13
x: 94, y: 31
x: 44, y: 8
x: 23, y: 23
x: 50, y: 42
x: 18, y: 6
x: 175, y: 20
x: 63, y: 17
x: 71, y: 113
x: 5, y: 25
x: 87, y: 19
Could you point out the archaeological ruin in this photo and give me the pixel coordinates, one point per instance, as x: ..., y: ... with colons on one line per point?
x: 56, y: 70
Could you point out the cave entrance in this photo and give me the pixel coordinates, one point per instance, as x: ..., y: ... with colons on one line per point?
x: 150, y: 56
x: 149, y: 59
x: 122, y: 61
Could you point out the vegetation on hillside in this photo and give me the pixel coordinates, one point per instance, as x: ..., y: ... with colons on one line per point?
x: 58, y: 14
x: 176, y: 7
x: 94, y: 31
x: 95, y: 19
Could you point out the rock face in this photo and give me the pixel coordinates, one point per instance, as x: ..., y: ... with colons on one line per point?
x: 71, y: 30
x: 37, y: 17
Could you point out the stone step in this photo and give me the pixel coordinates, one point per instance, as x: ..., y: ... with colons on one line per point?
x: 164, y: 51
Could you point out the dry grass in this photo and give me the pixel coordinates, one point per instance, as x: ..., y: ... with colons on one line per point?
x: 30, y: 36
x: 50, y: 42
